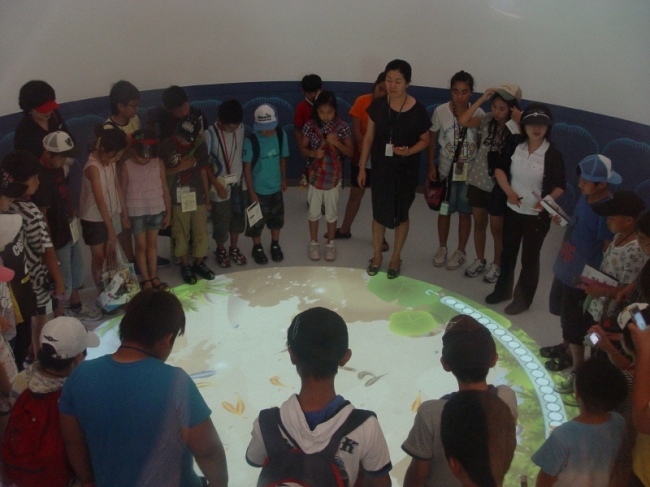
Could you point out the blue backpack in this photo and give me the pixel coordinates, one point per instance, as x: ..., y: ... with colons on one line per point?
x: 287, y: 465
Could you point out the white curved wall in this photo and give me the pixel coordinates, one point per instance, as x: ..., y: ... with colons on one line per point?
x: 585, y: 54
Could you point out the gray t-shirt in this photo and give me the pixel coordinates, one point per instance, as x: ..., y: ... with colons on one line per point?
x: 424, y: 441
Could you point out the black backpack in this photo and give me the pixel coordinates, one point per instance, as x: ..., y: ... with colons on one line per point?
x: 255, y: 144
x: 290, y: 465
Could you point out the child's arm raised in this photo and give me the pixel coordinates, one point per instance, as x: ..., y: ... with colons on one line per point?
x: 92, y: 173
x: 467, y: 119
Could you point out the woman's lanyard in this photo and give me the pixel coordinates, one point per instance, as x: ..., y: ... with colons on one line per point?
x: 390, y: 119
x: 224, y: 151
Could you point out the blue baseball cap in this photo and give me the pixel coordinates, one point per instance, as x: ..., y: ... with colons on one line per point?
x: 598, y: 169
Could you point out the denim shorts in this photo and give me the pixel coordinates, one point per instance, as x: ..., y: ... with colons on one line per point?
x: 458, y: 198
x: 141, y: 224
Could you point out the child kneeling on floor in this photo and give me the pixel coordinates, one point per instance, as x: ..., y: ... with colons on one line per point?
x: 317, y: 425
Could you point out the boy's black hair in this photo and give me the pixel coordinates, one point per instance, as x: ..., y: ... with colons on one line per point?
x: 109, y: 140
x: 600, y: 385
x: 150, y: 316
x: 318, y: 339
x: 46, y: 358
x: 311, y: 83
x: 21, y: 165
x: 381, y: 78
x: 462, y: 77
x: 323, y: 98
x: 230, y: 112
x: 402, y: 66
x: 537, y: 107
x: 35, y: 93
x: 642, y: 223
x: 173, y: 97
x: 122, y: 92
x: 478, y: 430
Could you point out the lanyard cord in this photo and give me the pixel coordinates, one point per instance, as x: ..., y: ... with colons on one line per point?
x: 224, y: 151
x: 390, y: 119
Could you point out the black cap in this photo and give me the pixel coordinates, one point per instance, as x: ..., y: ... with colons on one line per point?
x: 623, y: 203
x: 189, y: 128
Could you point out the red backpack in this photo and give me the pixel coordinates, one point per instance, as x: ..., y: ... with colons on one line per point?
x: 33, y: 450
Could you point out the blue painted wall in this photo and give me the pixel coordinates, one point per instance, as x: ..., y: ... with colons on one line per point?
x: 576, y: 133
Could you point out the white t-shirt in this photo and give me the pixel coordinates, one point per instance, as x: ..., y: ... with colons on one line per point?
x: 527, y: 174
x: 88, y: 209
x: 233, y: 143
x: 448, y: 129
x: 424, y: 442
x: 365, y: 446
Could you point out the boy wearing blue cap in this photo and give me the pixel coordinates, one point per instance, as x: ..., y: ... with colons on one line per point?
x: 585, y: 240
x: 265, y: 172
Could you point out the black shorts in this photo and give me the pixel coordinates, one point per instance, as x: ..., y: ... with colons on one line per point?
x: 567, y: 302
x: 493, y: 200
x: 94, y: 233
x: 354, y: 173
x: 272, y: 206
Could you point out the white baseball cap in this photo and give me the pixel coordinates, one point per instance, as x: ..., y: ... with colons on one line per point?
x: 60, y: 143
x: 68, y: 336
x: 265, y: 118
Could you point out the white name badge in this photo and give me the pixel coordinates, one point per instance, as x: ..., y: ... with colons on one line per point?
x: 254, y: 213
x: 459, y: 172
x: 74, y: 229
x: 180, y: 190
x: 389, y: 150
x: 117, y: 223
x: 230, y: 178
x: 188, y: 201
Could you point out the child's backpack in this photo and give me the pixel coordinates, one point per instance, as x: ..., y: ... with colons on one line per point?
x: 255, y: 144
x: 33, y: 450
x: 287, y: 465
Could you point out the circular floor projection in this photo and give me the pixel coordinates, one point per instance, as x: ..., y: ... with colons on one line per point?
x: 235, y: 350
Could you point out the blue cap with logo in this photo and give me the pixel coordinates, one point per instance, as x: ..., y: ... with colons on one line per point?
x: 598, y: 169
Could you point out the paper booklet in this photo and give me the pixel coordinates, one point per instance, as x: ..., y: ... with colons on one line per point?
x: 553, y: 208
x: 594, y: 277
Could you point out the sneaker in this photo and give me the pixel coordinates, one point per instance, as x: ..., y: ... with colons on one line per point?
x: 259, y: 256
x: 440, y: 258
x: 188, y: 274
x: 314, y: 250
x: 162, y: 263
x: 104, y: 310
x: 222, y: 258
x: 475, y: 268
x: 84, y: 313
x: 236, y: 256
x: 456, y: 260
x: 204, y: 271
x: 276, y: 253
x: 492, y: 274
x: 565, y: 386
x: 330, y: 251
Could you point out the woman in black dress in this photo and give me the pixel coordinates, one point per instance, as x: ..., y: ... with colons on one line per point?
x: 398, y: 129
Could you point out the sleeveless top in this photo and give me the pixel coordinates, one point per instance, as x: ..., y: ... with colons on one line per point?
x: 144, y: 194
x: 88, y: 209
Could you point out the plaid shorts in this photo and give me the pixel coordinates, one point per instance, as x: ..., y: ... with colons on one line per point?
x: 272, y: 206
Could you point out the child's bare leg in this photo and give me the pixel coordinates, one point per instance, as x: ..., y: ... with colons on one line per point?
x: 141, y: 257
x: 234, y: 238
x: 331, y: 230
x: 275, y: 235
x: 97, y: 263
x: 352, y: 208
x: 313, y: 230
x: 151, y: 237
x: 38, y: 322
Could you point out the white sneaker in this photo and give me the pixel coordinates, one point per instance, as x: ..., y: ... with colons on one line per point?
x: 475, y: 268
x: 441, y: 257
x: 493, y: 273
x: 314, y: 250
x: 456, y: 260
x: 85, y: 313
x: 330, y: 251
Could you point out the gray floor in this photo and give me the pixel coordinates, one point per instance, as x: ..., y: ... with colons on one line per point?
x: 417, y: 258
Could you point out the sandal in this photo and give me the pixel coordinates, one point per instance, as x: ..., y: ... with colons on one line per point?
x: 161, y: 286
x: 384, y: 246
x: 559, y: 364
x: 144, y: 283
x: 394, y: 273
x: 554, y: 351
x: 373, y: 270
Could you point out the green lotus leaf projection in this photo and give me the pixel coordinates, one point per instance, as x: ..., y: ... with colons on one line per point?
x: 412, y: 323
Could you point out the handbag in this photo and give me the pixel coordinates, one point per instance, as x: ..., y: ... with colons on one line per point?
x: 436, y: 192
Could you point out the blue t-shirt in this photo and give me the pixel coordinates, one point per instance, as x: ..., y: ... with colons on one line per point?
x: 581, y: 455
x: 267, y: 175
x: 132, y: 416
x: 583, y: 242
